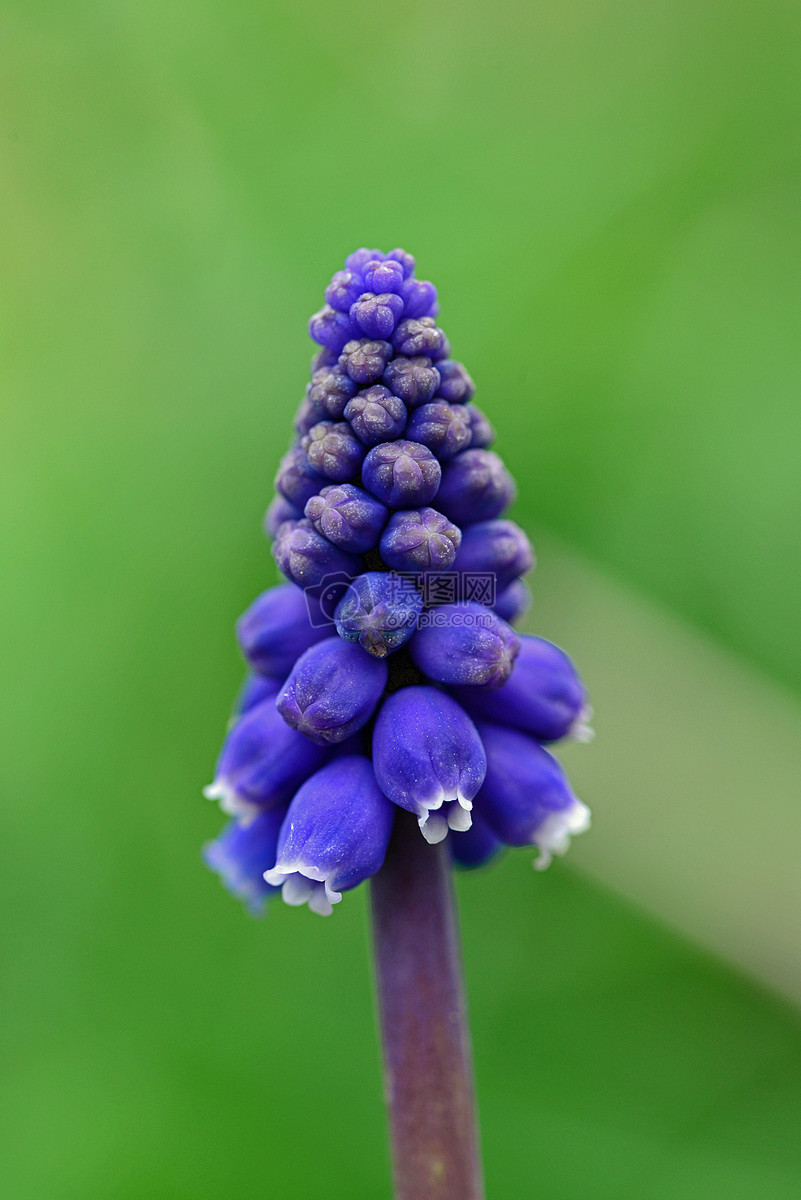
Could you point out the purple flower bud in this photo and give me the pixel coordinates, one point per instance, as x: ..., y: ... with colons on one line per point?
x: 415, y: 380
x: 543, y: 696
x: 365, y: 360
x: 279, y: 511
x: 345, y: 288
x: 262, y: 762
x: 332, y: 691
x: 376, y: 415
x: 513, y: 601
x: 401, y: 474
x: 335, y: 835
x: 420, y: 335
x: 383, y: 275
x: 329, y: 392
x: 526, y: 798
x: 333, y: 451
x: 407, y: 261
x: 241, y: 855
x: 331, y: 329
x: 307, y: 415
x: 428, y: 758
x: 297, y: 479
x: 476, y: 846
x: 475, y: 487
x: 324, y: 359
x: 376, y: 316
x: 482, y: 433
x: 348, y: 516
x: 310, y: 560
x: 360, y: 258
x: 278, y: 626
x: 419, y: 540
x: 379, y: 611
x: 255, y: 690
x: 456, y: 387
x: 498, y: 548
x: 465, y: 644
x: 419, y: 298
x: 442, y: 427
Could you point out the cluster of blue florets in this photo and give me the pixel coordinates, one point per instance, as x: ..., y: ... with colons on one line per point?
x: 386, y: 673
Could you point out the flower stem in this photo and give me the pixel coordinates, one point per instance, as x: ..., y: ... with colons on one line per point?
x: 425, y: 1034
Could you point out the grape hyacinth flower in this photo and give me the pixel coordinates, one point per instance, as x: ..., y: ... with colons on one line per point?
x: 348, y: 517
x: 443, y: 765
x: 393, y: 723
x: 380, y: 611
x: 420, y: 539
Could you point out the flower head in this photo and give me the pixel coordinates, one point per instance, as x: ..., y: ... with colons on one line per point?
x: 385, y: 673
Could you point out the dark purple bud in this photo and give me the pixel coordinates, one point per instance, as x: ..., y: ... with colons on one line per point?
x: 419, y: 540
x: 241, y: 855
x: 465, y: 644
x: 380, y: 611
x: 376, y: 316
x: 456, y: 385
x: 333, y: 451
x: 419, y: 298
x: 278, y: 627
x: 365, y: 360
x: 332, y: 691
x: 416, y: 336
x: 482, y: 433
x: 543, y: 696
x: 360, y: 258
x: 312, y: 562
x: 526, y: 798
x: 331, y: 329
x: 475, y: 487
x: 382, y: 275
x: 348, y: 516
x: 415, y: 380
x: 476, y: 846
x: 498, y: 548
x: 323, y: 358
x: 255, y: 690
x: 279, y: 511
x: 428, y: 758
x: 407, y: 261
x: 376, y: 415
x: 262, y: 762
x: 297, y: 479
x: 307, y: 415
x: 329, y: 391
x: 442, y: 427
x: 345, y: 288
x: 335, y: 835
x: 513, y: 601
x: 401, y: 474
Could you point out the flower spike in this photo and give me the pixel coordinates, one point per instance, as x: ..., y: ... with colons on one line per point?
x: 385, y: 673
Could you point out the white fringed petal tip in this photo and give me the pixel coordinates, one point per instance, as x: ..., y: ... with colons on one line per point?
x: 442, y: 814
x: 231, y: 803
x: 303, y: 884
x: 554, y: 834
x: 581, y: 730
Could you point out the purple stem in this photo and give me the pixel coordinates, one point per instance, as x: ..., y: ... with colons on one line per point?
x: 426, y: 1039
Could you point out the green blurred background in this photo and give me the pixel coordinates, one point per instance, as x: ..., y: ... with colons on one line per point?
x: 606, y: 195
